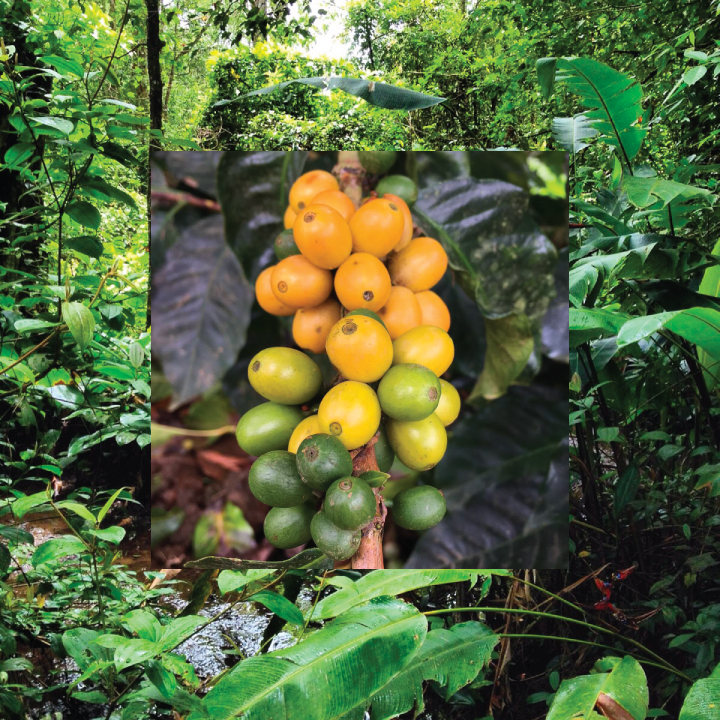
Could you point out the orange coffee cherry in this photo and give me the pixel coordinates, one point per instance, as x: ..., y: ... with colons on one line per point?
x: 377, y: 227
x: 401, y: 312
x: 360, y: 348
x: 425, y: 345
x: 289, y: 217
x: 322, y: 236
x: 307, y: 186
x: 434, y: 310
x: 408, y: 228
x: 362, y: 281
x: 420, y: 265
x: 312, y: 325
x: 265, y: 297
x: 297, y: 283
x: 337, y: 200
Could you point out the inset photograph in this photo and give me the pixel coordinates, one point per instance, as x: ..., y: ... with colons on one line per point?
x: 360, y: 358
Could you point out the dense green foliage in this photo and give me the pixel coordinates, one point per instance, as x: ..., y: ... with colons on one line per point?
x: 74, y: 327
x: 481, y: 58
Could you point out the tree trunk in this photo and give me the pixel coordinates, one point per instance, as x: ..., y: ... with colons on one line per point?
x: 154, y: 46
x: 13, y: 192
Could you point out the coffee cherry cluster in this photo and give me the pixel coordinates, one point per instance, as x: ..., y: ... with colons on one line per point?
x: 359, y: 287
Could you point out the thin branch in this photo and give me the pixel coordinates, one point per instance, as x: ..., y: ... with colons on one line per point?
x: 112, y: 57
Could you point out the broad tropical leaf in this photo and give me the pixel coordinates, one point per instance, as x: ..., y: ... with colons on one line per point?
x: 701, y: 326
x: 569, y: 133
x: 614, y: 100
x: 710, y: 285
x: 380, y: 582
x: 450, y: 658
x: 203, y: 302
x: 380, y: 94
x: 329, y: 673
x: 486, y: 224
x: 590, y: 323
x: 703, y: 700
x: 644, y: 192
x: 253, y: 189
x: 645, y: 261
x: 510, y: 344
x: 625, y: 685
x: 504, y: 477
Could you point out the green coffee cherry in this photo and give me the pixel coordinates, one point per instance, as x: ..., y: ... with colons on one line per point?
x: 350, y: 503
x: 336, y: 543
x: 322, y: 459
x: 274, y: 480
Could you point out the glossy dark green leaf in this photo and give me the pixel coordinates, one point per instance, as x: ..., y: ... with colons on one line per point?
x: 626, y: 489
x: 78, y: 509
x: 100, y: 188
x: 201, y: 309
x: 279, y: 605
x: 84, y: 213
x: 179, y: 630
x: 119, y: 154
x: 55, y: 123
x: 555, y: 339
x: 510, y: 344
x: 87, y: 244
x: 701, y: 326
x: 546, y: 75
x: 5, y: 560
x: 161, y: 678
x: 505, y: 480
x: 253, y: 189
x: 64, y: 65
x: 144, y: 624
x: 112, y: 535
x: 625, y: 685
x: 85, y: 442
x: 233, y: 580
x: 499, y: 255
x: 165, y: 524
x: 57, y: 548
x: 80, y: 644
x: 127, y: 651
x: 435, y: 167
x: 22, y: 506
x: 379, y: 582
x: 90, y: 696
x: 16, y: 536
x: 18, y: 153
x: 389, y: 97
x: 590, y: 323
x: 80, y: 322
x: 657, y: 192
